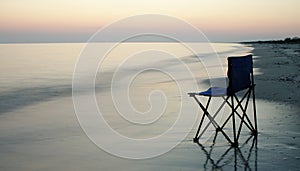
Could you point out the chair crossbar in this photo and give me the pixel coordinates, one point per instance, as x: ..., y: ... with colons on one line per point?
x: 244, y: 114
x: 211, y: 121
x: 213, y: 117
x: 249, y: 124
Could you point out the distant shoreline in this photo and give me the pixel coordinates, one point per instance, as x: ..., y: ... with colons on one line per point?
x: 110, y: 42
x: 288, y: 40
x: 153, y: 39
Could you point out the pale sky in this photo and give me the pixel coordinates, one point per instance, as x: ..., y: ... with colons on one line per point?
x: 77, y: 20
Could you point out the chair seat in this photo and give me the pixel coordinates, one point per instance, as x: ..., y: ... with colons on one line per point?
x: 214, y: 91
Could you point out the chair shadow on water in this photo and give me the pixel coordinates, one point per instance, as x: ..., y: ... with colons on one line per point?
x: 226, y: 157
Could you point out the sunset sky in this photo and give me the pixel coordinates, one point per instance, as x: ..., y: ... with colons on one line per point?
x: 77, y: 20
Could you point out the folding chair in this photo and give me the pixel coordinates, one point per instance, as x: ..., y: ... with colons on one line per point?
x: 241, y: 79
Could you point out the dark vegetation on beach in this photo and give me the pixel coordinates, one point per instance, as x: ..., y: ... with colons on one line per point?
x: 288, y: 40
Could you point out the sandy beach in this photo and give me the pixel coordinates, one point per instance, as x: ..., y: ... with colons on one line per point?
x: 280, y: 78
x: 46, y: 135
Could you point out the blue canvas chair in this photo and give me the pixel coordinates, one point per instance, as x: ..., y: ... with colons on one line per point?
x: 241, y: 79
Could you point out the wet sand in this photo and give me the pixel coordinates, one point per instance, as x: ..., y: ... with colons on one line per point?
x: 47, y: 135
x: 279, y: 121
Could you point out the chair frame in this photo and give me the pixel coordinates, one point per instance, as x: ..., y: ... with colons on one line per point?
x: 230, y: 98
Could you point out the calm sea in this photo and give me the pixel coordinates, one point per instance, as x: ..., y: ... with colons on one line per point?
x: 32, y: 73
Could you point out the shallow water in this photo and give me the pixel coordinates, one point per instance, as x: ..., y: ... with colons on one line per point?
x: 32, y: 73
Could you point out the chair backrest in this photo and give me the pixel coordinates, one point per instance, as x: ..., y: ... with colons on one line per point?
x: 240, y: 73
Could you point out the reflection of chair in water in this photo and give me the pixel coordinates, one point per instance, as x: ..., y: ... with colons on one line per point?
x: 241, y: 79
x: 241, y: 156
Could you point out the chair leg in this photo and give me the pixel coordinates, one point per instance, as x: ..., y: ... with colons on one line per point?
x: 196, y: 138
x: 244, y: 110
x: 255, y: 132
x: 235, y: 142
